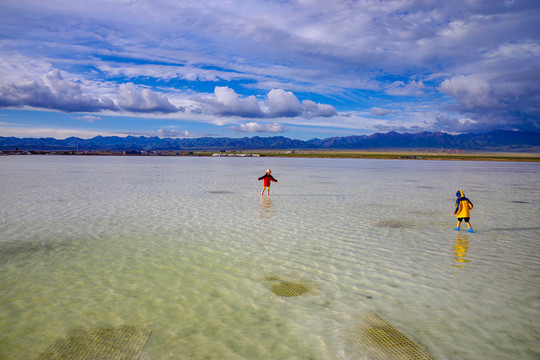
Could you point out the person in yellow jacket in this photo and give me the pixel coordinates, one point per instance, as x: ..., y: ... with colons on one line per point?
x: 463, y: 210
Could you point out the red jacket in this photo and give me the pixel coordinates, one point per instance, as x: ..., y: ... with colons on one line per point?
x: 267, y: 178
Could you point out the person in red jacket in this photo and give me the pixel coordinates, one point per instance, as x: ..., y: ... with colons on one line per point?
x: 267, y: 179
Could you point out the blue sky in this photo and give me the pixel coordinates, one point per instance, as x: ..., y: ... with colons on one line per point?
x: 300, y: 69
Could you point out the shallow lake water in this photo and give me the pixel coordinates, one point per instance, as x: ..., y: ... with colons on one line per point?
x: 189, y: 247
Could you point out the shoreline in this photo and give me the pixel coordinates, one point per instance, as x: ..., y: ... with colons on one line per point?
x: 414, y: 155
x: 405, y: 154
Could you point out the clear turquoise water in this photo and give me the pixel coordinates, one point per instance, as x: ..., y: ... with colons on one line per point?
x: 189, y: 246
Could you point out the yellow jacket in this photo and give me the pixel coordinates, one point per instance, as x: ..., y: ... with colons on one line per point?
x: 463, y: 206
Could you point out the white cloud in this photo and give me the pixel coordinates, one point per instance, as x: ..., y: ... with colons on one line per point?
x: 51, y: 92
x: 226, y: 102
x: 497, y: 101
x: 229, y: 103
x: 172, y: 133
x: 457, y: 125
x: 399, y: 88
x: 168, y: 72
x: 312, y: 109
x: 399, y: 128
x: 281, y: 103
x: 377, y: 111
x: 265, y: 128
x: 521, y: 50
x: 278, y: 103
x: 473, y: 91
x: 89, y: 118
x: 131, y: 98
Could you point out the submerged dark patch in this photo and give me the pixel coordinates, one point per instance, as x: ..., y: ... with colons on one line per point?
x: 422, y: 212
x: 380, y: 340
x: 100, y: 342
x: 395, y: 224
x: 289, y: 289
x: 286, y: 288
x: 23, y: 249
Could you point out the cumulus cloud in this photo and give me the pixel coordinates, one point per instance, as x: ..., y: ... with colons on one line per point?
x: 473, y: 91
x: 133, y: 99
x: 226, y: 102
x: 229, y: 103
x: 508, y: 100
x: 263, y: 128
x: 278, y: 103
x: 281, y: 103
x: 52, y: 91
x: 313, y: 109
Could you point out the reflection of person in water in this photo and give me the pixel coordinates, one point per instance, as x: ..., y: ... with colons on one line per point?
x: 462, y: 212
x: 267, y: 179
x: 266, y: 208
x: 461, y: 248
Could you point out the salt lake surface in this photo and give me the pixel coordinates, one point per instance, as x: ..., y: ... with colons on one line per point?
x: 189, y: 247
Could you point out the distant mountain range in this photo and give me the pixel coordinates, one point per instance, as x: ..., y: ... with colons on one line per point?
x: 492, y: 141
